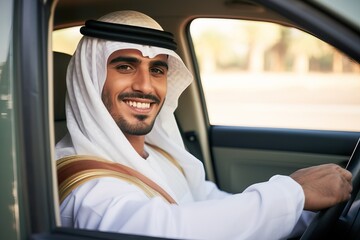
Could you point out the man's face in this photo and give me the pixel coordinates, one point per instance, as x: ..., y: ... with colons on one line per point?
x: 135, y: 90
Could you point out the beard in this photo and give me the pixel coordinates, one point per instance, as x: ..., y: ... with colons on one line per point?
x: 140, y: 127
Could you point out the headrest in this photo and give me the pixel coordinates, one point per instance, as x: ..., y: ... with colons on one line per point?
x: 61, y: 61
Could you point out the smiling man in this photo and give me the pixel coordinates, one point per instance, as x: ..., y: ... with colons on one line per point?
x: 123, y: 166
x: 134, y: 92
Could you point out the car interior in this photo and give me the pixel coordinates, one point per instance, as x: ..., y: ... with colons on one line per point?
x: 234, y: 156
x: 61, y: 61
x: 215, y: 145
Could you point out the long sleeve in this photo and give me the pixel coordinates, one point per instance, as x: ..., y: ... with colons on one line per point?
x: 267, y: 210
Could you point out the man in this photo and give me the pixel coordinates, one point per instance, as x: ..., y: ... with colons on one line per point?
x: 123, y: 84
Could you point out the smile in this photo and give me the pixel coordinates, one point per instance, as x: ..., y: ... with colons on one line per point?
x: 140, y: 105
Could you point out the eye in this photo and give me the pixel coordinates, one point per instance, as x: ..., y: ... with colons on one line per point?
x: 157, y: 71
x: 123, y: 67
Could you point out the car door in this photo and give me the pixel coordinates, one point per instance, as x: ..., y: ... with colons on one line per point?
x: 274, y: 104
x: 29, y: 204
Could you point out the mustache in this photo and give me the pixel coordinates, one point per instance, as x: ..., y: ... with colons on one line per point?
x: 124, y: 96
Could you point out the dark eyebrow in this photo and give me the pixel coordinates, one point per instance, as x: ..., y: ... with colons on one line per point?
x: 159, y: 63
x: 124, y: 59
x: 156, y: 63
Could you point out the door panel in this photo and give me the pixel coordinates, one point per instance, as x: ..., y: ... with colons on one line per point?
x: 243, y: 156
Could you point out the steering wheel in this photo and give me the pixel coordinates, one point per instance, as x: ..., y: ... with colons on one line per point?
x: 325, y: 220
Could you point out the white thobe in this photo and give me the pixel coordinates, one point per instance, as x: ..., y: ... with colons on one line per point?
x: 267, y: 210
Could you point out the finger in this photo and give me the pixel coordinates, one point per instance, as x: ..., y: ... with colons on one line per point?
x: 344, y: 172
x: 348, y: 191
x: 347, y: 175
x: 349, y: 194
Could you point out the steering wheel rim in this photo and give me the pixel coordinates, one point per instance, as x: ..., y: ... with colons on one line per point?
x: 325, y: 219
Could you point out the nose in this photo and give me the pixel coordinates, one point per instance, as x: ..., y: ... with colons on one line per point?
x: 142, y: 81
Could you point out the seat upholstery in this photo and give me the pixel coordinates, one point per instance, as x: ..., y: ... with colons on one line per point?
x: 61, y: 61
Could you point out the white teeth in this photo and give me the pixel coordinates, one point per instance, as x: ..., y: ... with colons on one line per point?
x: 138, y: 104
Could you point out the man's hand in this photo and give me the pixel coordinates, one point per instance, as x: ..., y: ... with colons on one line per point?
x: 324, y: 185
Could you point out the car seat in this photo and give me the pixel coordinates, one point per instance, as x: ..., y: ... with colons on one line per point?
x: 61, y: 61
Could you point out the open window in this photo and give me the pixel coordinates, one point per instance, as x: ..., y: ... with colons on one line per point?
x: 261, y: 74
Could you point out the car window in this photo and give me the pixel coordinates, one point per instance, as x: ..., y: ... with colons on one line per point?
x: 66, y: 40
x: 9, y: 195
x: 348, y: 10
x: 262, y: 74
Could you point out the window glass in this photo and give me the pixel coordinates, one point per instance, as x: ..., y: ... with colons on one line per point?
x: 9, y: 196
x: 66, y: 40
x: 268, y: 75
x: 348, y: 9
